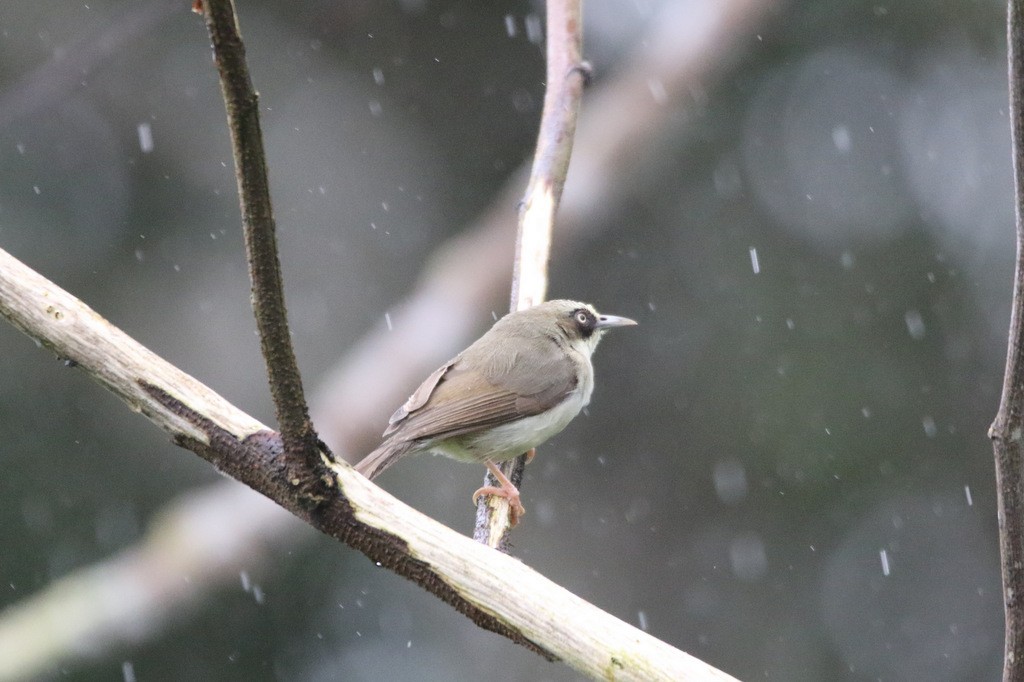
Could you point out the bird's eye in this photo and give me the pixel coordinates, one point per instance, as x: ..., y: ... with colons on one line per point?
x: 582, y: 317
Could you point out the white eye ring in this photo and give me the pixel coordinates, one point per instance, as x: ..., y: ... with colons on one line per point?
x: 581, y: 317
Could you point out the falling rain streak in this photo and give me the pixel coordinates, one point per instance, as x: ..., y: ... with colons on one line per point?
x: 915, y: 324
x: 534, y: 29
x: 145, y: 138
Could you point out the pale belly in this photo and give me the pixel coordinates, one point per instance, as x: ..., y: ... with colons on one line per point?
x: 511, y: 440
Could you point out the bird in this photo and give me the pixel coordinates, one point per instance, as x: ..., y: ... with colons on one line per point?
x: 520, y: 383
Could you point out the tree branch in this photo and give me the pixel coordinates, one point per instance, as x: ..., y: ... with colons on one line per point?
x: 567, y: 73
x: 497, y: 592
x: 1006, y: 430
x: 242, y: 105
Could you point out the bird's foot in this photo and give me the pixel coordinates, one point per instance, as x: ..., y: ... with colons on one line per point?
x: 506, y: 490
x: 530, y: 454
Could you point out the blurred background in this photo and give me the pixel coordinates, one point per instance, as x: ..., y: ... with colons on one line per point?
x: 784, y: 470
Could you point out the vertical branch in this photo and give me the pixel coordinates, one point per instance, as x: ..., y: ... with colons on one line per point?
x: 242, y: 105
x: 567, y: 73
x: 1006, y: 430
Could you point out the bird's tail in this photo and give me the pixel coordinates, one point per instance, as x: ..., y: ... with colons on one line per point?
x: 384, y: 456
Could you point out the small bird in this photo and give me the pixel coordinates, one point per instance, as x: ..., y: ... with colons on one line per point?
x: 516, y: 386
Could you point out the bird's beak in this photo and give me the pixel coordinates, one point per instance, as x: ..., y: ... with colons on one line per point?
x: 609, y: 321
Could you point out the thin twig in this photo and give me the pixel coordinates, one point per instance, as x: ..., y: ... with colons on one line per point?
x: 242, y: 104
x: 1006, y: 430
x: 497, y: 592
x: 567, y: 73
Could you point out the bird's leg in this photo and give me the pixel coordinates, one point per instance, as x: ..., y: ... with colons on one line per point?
x: 530, y: 454
x: 507, y: 490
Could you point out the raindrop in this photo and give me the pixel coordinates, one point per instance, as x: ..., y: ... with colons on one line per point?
x: 967, y: 494
x: 534, y: 32
x: 841, y: 138
x: 884, y: 556
x: 730, y: 479
x: 753, y: 261
x: 915, y: 324
x: 387, y: 321
x: 930, y: 429
x: 657, y: 89
x: 748, y: 558
x: 641, y: 617
x: 378, y: 76
x: 128, y: 671
x: 145, y: 138
x: 510, y: 25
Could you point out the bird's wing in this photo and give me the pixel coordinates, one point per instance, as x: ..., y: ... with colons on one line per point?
x: 554, y: 368
x: 456, y: 400
x: 419, y: 397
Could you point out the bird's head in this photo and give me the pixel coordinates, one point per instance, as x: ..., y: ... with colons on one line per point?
x: 579, y: 322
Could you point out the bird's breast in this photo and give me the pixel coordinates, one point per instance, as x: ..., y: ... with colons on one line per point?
x: 511, y: 440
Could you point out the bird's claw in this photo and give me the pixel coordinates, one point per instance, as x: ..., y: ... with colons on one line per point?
x: 507, y: 490
x: 515, y: 506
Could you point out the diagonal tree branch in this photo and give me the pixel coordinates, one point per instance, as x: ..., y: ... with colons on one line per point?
x: 242, y: 105
x: 497, y: 592
x: 1006, y: 431
x: 567, y: 73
